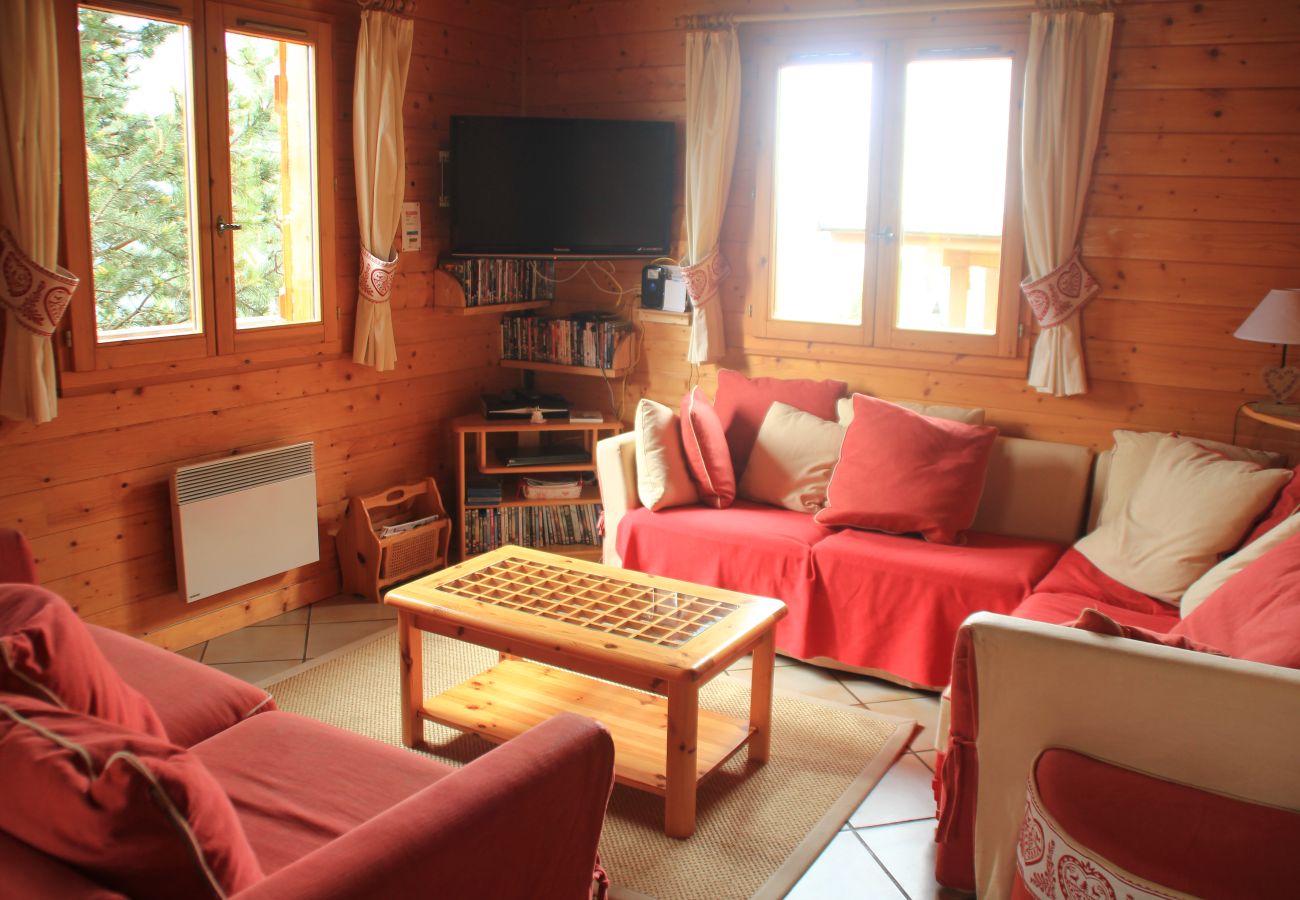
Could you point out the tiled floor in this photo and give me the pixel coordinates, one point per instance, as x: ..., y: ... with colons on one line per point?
x: 885, y: 850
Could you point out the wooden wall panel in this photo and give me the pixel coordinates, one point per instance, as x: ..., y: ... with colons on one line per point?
x: 1191, y: 220
x: 90, y: 488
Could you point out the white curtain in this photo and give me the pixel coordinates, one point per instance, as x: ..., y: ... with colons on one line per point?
x: 33, y: 289
x: 383, y: 56
x: 1065, y: 82
x: 712, y: 127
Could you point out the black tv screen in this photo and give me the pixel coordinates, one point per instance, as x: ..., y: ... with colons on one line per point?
x: 563, y: 187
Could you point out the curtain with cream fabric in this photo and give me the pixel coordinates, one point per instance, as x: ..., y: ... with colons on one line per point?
x: 33, y: 289
x: 1065, y: 82
x: 383, y: 56
x: 712, y: 127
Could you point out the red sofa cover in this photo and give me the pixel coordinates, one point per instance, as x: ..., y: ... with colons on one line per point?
x: 874, y: 601
x: 331, y: 814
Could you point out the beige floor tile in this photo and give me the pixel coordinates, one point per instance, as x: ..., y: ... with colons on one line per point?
x: 924, y: 709
x: 903, y: 795
x: 876, y: 690
x: 292, y: 617
x: 253, y: 672
x: 927, y: 757
x: 349, y: 608
x: 328, y: 636
x: 804, y: 679
x: 906, y: 850
x: 747, y: 662
x: 195, y: 652
x: 845, y: 871
x: 258, y: 644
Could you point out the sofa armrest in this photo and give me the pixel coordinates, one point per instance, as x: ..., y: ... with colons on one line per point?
x: 1211, y: 722
x: 523, y: 817
x: 616, y: 471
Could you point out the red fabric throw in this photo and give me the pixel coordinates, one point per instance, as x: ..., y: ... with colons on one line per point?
x: 1255, y: 615
x: 47, y: 653
x: 1096, y: 829
x: 1099, y: 623
x: 1287, y: 502
x: 707, y: 455
x: 138, y: 814
x: 742, y: 403
x: 896, y: 603
x: 901, y: 472
x: 16, y: 563
x: 192, y: 700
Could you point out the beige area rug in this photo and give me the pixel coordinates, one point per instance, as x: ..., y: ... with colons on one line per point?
x: 758, y: 827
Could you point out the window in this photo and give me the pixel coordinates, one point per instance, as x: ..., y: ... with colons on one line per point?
x: 893, y: 204
x: 198, y: 186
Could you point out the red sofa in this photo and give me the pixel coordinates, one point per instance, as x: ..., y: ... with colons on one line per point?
x: 331, y: 814
x: 865, y: 602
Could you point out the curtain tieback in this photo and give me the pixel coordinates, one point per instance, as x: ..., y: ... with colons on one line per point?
x: 704, y: 277
x: 376, y: 281
x: 37, y: 296
x: 1060, y: 293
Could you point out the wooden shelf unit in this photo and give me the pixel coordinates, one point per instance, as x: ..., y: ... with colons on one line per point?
x: 473, y: 458
x: 369, y: 563
x: 449, y: 298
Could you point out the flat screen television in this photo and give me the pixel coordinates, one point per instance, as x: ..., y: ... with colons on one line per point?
x: 560, y: 187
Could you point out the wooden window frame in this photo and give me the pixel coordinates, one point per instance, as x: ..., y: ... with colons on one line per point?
x: 89, y: 363
x: 890, y: 49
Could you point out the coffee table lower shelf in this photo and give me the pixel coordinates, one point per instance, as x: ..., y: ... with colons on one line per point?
x: 514, y: 695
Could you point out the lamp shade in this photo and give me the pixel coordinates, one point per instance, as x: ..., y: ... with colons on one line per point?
x: 1276, y: 320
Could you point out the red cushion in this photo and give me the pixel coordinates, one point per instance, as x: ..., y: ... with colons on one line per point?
x: 193, y: 701
x: 1099, y: 623
x: 707, y: 455
x: 16, y: 563
x: 289, y: 802
x: 138, y: 814
x: 1093, y: 829
x: 1255, y: 614
x: 743, y: 402
x: 47, y: 653
x: 902, y: 472
x: 1287, y: 502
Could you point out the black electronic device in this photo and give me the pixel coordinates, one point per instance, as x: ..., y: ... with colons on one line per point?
x: 653, y: 280
x: 522, y: 404
x: 561, y: 187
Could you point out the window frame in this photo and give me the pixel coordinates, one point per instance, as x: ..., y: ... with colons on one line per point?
x: 893, y: 48
x: 87, y: 360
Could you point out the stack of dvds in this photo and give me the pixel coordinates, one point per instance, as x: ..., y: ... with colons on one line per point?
x: 589, y: 339
x: 487, y: 528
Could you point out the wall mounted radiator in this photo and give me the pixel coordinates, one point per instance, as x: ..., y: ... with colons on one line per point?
x: 243, y: 518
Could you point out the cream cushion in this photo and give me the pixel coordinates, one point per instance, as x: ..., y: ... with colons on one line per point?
x: 1132, y: 455
x: 1217, y: 577
x: 969, y: 415
x: 662, y: 478
x: 792, y: 460
x: 1189, y: 506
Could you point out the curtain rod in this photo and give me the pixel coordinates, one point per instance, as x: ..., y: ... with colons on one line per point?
x: 723, y: 20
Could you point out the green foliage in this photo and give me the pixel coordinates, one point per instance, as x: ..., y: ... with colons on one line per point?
x: 137, y: 164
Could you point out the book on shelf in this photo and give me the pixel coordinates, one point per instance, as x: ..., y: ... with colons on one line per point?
x: 489, y: 281
x: 531, y: 526
x: 595, y: 340
x: 390, y: 530
x: 483, y: 492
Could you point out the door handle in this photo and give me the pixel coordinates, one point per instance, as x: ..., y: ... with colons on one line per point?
x: 223, y: 226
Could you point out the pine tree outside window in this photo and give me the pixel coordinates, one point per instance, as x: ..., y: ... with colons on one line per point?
x: 204, y: 181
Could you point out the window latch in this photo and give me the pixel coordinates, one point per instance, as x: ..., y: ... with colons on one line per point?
x: 223, y: 226
x: 887, y: 234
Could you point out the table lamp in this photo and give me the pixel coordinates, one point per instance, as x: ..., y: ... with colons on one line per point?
x: 1276, y: 320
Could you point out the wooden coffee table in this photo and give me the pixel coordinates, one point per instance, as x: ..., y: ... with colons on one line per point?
x: 567, y: 616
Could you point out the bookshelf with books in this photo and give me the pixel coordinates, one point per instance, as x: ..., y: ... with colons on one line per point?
x: 532, y: 484
x: 493, y: 285
x: 586, y: 343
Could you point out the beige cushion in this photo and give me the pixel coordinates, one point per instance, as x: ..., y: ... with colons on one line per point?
x: 1214, y: 579
x: 662, y: 479
x: 1132, y: 456
x: 792, y: 460
x: 1034, y: 489
x: 1190, y: 506
x: 969, y: 415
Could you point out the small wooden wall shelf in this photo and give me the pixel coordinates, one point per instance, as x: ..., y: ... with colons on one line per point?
x: 564, y: 370
x: 449, y: 298
x: 370, y: 564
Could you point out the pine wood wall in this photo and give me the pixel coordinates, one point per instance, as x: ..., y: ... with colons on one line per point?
x: 1194, y: 214
x: 90, y: 488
